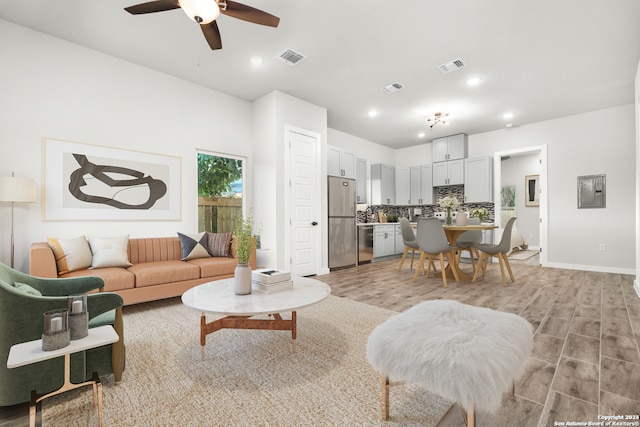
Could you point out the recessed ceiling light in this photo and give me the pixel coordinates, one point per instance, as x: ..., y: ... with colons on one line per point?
x: 421, y: 135
x: 373, y: 113
x: 507, y: 116
x: 256, y: 60
x: 473, y: 81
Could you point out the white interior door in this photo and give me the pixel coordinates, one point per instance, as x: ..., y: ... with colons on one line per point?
x: 304, y: 192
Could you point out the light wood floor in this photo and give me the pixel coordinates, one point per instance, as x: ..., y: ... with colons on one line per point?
x: 585, y: 361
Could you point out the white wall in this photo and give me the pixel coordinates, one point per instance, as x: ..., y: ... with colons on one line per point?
x: 513, y: 174
x: 637, y: 121
x: 57, y: 89
x: 272, y: 114
x: 599, y: 142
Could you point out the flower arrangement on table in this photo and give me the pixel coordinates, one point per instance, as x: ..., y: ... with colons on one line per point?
x: 480, y: 213
x: 448, y: 203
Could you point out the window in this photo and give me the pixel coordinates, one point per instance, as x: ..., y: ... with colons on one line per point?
x: 220, y: 189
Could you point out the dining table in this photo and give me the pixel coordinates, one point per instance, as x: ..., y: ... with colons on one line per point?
x: 453, y: 232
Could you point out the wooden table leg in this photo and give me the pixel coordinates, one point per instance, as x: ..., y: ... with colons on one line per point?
x: 277, y: 323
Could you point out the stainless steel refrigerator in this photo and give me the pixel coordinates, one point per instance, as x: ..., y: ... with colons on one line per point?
x: 342, y: 222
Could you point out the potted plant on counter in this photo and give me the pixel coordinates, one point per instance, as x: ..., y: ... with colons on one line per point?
x: 243, y: 244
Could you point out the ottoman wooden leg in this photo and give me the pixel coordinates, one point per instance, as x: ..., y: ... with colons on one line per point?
x: 385, y: 397
x: 469, y: 416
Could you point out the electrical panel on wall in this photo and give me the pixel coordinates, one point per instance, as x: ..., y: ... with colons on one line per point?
x: 592, y: 191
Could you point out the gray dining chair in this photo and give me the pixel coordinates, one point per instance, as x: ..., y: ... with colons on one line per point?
x: 433, y: 242
x: 499, y: 251
x: 409, y: 239
x: 468, y: 242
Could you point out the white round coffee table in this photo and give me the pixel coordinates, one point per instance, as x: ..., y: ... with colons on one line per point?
x: 219, y: 298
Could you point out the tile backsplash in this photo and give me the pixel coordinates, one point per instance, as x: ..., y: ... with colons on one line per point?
x: 457, y: 191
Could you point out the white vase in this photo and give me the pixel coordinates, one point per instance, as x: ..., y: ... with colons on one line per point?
x: 242, y: 279
x: 461, y: 218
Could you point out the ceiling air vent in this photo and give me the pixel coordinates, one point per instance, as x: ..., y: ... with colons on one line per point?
x: 393, y: 87
x: 290, y: 57
x: 454, y: 65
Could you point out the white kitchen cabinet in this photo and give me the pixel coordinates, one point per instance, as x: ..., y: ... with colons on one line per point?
x: 361, y: 180
x: 448, y: 173
x: 421, y: 185
x: 384, y: 240
x: 399, y: 242
x: 402, y: 187
x: 383, y: 184
x: 450, y: 147
x: 340, y: 163
x: 478, y: 184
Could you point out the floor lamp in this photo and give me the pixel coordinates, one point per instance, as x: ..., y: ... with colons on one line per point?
x: 16, y: 190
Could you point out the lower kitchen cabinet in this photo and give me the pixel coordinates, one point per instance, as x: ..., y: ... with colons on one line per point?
x: 399, y: 241
x: 384, y: 240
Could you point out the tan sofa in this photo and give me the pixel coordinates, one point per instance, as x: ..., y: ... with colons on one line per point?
x: 156, y: 273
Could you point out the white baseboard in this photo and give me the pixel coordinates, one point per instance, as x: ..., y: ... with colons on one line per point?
x: 323, y: 271
x: 636, y: 287
x: 596, y: 268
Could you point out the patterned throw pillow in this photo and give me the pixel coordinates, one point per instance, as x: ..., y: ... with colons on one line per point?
x: 193, y: 246
x: 70, y: 254
x: 219, y: 244
x: 109, y: 251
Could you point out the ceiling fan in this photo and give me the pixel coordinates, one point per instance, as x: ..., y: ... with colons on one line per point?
x: 205, y: 12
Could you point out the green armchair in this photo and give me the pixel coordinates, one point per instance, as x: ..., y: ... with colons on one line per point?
x: 21, y: 309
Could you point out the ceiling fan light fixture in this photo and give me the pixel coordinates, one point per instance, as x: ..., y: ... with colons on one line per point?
x: 200, y: 11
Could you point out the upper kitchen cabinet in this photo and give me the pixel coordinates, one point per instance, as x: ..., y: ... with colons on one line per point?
x: 361, y: 181
x: 421, y: 185
x: 403, y: 187
x: 448, y: 173
x: 478, y: 186
x: 340, y: 163
x: 451, y: 147
x: 383, y: 184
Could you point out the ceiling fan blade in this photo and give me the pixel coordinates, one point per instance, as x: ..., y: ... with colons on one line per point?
x: 212, y: 34
x: 250, y: 14
x: 153, y: 6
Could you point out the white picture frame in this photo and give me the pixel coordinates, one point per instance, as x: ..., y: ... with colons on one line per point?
x: 531, y: 191
x: 91, y: 182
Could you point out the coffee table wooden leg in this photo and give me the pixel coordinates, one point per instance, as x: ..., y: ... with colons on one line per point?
x: 294, y: 330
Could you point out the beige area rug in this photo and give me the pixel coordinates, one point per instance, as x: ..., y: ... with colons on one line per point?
x: 522, y: 255
x: 248, y: 378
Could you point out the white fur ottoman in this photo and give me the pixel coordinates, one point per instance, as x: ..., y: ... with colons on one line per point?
x: 467, y: 354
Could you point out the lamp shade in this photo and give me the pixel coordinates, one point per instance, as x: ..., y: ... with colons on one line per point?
x: 17, y: 190
x: 200, y: 11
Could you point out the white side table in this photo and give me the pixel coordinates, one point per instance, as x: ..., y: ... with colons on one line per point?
x: 30, y: 352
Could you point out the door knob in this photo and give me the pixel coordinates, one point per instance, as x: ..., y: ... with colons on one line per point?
x: 314, y: 223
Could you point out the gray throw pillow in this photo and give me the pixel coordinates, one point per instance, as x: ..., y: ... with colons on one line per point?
x: 219, y: 244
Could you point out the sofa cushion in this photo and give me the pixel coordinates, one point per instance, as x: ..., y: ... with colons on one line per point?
x: 154, y: 273
x: 219, y: 244
x: 215, y: 266
x: 109, y: 251
x: 193, y: 246
x: 70, y: 254
x: 115, y: 278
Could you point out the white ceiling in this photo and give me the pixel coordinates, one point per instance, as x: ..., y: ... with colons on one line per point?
x: 539, y: 59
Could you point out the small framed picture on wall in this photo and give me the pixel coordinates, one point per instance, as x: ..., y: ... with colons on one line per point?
x: 531, y: 190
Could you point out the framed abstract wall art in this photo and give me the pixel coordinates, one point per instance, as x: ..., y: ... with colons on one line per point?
x: 91, y: 182
x: 531, y: 190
